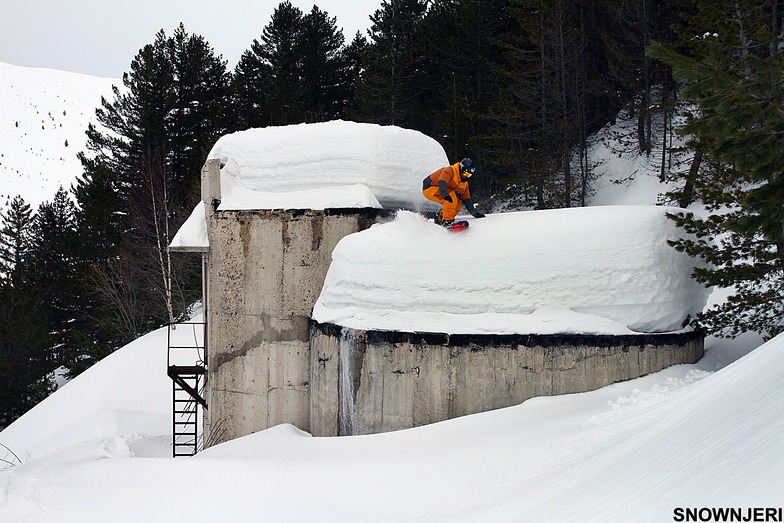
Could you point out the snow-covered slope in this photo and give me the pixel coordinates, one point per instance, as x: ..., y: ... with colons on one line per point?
x: 699, y: 435
x: 126, y: 393
x: 43, y: 118
x: 623, y: 176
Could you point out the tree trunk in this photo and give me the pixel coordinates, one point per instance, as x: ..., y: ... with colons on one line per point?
x: 688, y: 189
x: 566, y: 152
x: 774, y: 30
x: 644, y: 122
x: 665, y: 114
x: 156, y: 181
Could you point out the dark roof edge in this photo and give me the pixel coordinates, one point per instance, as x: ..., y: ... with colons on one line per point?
x: 528, y: 340
x: 370, y: 212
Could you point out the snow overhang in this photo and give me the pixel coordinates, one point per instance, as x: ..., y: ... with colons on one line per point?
x: 192, y: 236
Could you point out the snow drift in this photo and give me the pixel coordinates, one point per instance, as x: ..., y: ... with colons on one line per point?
x: 330, y: 160
x: 524, y: 272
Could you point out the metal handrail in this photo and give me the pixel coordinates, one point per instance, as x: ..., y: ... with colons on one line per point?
x: 198, y: 346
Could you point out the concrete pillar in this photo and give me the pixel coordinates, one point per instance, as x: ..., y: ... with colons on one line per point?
x: 210, y: 183
x: 265, y: 272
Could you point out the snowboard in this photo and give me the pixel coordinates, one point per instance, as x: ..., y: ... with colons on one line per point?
x: 458, y: 226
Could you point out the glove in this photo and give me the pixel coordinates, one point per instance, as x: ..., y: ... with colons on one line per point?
x: 469, y: 204
x: 448, y: 198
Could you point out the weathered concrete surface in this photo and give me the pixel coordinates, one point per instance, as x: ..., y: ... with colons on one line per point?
x: 265, y: 270
x: 403, y: 380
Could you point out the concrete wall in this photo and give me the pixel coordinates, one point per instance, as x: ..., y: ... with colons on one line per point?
x: 400, y: 380
x: 265, y: 271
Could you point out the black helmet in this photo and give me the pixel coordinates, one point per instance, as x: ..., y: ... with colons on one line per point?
x: 466, y: 167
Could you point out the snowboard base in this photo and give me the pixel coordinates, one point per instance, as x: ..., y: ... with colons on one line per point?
x: 458, y: 226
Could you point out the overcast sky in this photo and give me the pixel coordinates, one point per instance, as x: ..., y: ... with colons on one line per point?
x: 101, y: 37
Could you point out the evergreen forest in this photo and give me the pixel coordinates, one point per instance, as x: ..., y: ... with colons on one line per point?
x: 517, y: 85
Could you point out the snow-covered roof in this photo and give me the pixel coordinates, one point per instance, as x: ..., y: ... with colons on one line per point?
x: 323, y: 165
x: 318, y: 166
x: 192, y: 236
x: 592, y: 270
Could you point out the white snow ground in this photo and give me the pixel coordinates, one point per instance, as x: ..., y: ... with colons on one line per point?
x: 703, y: 435
x: 697, y: 436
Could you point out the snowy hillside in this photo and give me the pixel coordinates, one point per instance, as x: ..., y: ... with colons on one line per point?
x: 43, y: 118
x: 623, y: 176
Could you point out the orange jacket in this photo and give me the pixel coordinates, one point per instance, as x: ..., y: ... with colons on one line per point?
x: 451, y: 175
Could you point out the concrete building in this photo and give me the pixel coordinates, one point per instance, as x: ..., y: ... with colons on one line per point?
x: 270, y: 362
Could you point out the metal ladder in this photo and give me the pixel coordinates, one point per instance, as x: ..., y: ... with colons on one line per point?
x: 186, y: 366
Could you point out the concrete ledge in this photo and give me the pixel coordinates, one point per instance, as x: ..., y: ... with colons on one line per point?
x: 287, y: 214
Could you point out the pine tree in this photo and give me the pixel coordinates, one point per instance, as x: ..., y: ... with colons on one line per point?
x: 542, y: 101
x: 15, y: 239
x: 199, y: 116
x: 352, y: 54
x: 250, y: 92
x: 25, y: 345
x: 278, y: 50
x: 25, y: 358
x: 737, y: 127
x: 172, y: 108
x: 298, y: 71
x: 461, y: 71
x: 54, y: 269
x: 326, y: 71
x: 391, y: 87
x: 173, y: 102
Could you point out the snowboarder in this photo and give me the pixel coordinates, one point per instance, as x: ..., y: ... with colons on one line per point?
x: 448, y: 186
